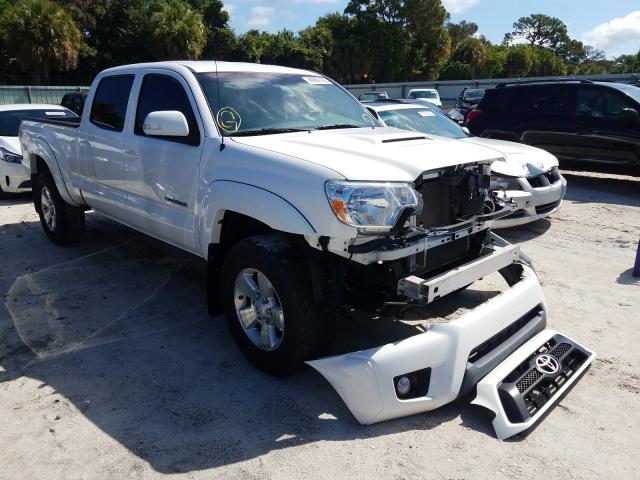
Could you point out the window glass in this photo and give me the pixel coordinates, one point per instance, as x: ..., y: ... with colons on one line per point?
x: 422, y: 120
x: 261, y: 103
x: 110, y: 102
x: 600, y: 103
x: 549, y: 99
x: 162, y: 93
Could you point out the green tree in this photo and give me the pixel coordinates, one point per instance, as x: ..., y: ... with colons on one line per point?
x: 454, y: 70
x: 546, y: 63
x: 627, y: 63
x: 518, y: 61
x: 460, y: 31
x: 539, y: 30
x: 473, y: 52
x: 425, y: 23
x: 178, y: 32
x: 41, y: 36
x: 495, y: 62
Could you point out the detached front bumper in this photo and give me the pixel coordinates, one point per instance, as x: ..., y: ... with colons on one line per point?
x: 532, y: 203
x: 446, y: 361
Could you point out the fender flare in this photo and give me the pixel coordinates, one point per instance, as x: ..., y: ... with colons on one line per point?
x: 255, y: 202
x: 40, y: 148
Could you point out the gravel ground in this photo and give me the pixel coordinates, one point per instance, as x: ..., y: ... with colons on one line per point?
x: 110, y: 367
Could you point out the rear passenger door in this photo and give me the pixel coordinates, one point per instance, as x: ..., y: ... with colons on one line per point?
x: 162, y: 173
x: 606, y: 137
x: 101, y: 147
x: 545, y: 117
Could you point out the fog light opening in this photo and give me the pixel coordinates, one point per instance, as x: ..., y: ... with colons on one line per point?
x: 403, y: 385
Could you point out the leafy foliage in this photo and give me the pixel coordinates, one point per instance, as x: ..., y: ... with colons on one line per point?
x: 372, y: 40
x: 41, y: 36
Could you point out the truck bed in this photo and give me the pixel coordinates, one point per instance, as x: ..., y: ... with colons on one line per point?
x: 73, y: 122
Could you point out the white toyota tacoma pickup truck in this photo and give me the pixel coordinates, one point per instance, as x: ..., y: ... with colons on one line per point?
x: 299, y: 201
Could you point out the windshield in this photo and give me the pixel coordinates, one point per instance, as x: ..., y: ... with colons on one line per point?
x: 427, y: 94
x: 263, y: 103
x: 422, y: 120
x: 10, y: 120
x: 473, y: 94
x: 633, y: 92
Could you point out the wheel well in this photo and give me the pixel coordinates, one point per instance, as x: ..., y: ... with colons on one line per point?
x: 236, y: 226
x: 41, y: 165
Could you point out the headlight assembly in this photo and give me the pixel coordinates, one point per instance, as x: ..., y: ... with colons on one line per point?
x: 9, y: 157
x: 371, y: 207
x: 499, y: 182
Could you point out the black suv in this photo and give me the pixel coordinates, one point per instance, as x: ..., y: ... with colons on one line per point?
x: 577, y: 120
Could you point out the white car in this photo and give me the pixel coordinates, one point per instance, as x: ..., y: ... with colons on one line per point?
x: 14, y: 176
x: 525, y: 176
x: 298, y: 200
x: 430, y: 95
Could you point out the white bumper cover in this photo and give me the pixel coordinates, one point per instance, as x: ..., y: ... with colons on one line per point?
x: 12, y: 175
x: 532, y: 203
x: 365, y: 379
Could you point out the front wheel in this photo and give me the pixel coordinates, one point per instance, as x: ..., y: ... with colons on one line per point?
x: 61, y: 222
x: 268, y: 302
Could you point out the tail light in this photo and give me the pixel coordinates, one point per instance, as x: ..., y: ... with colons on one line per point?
x: 471, y: 114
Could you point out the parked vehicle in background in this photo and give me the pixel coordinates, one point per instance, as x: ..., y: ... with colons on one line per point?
x: 526, y: 176
x: 300, y: 201
x: 469, y: 97
x: 14, y: 176
x: 575, y: 120
x: 374, y: 95
x: 74, y: 101
x: 430, y: 95
x: 467, y: 100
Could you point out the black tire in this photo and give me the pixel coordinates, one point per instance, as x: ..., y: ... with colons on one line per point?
x: 69, y: 220
x: 275, y: 256
x: 4, y: 195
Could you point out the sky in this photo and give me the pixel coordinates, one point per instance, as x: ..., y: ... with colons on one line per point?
x: 612, y: 26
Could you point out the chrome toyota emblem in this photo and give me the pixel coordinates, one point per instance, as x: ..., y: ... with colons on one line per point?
x: 547, y: 364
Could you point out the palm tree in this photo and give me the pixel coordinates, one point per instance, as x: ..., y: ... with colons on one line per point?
x: 41, y: 36
x: 471, y: 51
x: 178, y: 32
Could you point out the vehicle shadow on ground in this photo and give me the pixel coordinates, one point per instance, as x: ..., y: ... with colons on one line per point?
x: 525, y: 232
x: 117, y: 326
x: 18, y: 199
x: 603, y: 189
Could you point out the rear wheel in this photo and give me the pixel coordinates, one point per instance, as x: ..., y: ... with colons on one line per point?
x: 61, y: 222
x: 268, y: 301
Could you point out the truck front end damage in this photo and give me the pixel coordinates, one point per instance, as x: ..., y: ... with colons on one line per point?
x: 493, y: 348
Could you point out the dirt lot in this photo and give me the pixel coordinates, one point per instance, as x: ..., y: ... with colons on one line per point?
x: 110, y: 367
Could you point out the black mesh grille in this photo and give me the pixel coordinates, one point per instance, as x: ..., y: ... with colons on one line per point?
x: 525, y: 390
x: 561, y: 350
x: 528, y: 380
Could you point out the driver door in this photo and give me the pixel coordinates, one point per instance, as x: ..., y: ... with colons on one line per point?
x: 162, y: 173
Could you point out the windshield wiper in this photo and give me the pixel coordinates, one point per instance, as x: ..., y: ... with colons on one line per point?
x: 266, y: 131
x: 338, y: 125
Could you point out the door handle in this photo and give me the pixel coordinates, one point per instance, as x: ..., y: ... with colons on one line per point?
x: 131, y: 153
x: 84, y: 143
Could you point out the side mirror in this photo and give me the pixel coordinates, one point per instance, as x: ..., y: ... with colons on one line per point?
x: 168, y: 123
x: 629, y: 114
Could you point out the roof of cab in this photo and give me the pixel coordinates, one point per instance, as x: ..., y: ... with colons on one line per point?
x: 204, y: 66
